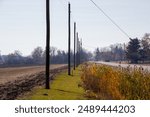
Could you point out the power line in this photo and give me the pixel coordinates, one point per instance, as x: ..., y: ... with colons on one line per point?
x: 101, y: 10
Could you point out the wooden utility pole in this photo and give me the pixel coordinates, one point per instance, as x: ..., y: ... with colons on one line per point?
x: 77, y: 50
x: 47, y: 44
x: 81, y: 51
x: 74, y: 45
x: 79, y: 44
x: 69, y: 39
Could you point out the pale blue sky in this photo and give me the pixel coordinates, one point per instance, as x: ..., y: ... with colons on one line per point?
x: 22, y: 23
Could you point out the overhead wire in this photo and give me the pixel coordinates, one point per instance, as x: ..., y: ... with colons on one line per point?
x: 65, y: 8
x: 101, y: 10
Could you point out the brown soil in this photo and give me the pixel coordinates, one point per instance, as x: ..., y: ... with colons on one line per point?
x: 16, y: 73
x: 20, y: 80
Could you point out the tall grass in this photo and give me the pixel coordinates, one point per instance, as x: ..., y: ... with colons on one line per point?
x: 104, y: 82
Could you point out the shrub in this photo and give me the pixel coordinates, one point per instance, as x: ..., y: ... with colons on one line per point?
x: 104, y: 82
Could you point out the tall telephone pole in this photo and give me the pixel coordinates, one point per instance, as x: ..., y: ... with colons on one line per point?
x: 81, y: 51
x: 74, y: 45
x: 77, y: 49
x: 47, y: 43
x: 69, y: 39
x: 79, y: 44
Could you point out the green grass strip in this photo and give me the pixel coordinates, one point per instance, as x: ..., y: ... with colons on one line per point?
x: 63, y: 87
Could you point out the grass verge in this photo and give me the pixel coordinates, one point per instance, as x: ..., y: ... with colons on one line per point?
x: 115, y: 83
x: 63, y: 87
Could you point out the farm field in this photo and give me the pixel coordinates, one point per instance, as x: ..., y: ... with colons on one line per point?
x: 16, y: 81
x: 15, y: 73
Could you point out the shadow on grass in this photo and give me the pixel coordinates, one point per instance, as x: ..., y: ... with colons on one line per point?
x: 68, y: 91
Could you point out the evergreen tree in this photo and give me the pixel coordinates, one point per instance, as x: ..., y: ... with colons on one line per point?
x: 133, y: 50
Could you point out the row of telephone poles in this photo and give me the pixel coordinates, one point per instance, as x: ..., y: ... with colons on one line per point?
x: 77, y: 44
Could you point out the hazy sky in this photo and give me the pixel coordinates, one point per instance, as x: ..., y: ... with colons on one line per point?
x: 22, y: 23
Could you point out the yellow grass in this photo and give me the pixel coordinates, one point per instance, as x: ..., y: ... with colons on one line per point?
x: 104, y: 82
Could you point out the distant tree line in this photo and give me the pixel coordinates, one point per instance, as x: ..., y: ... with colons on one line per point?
x: 37, y: 57
x: 114, y: 52
x: 139, y: 50
x: 136, y: 51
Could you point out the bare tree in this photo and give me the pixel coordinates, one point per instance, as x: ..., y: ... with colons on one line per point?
x: 37, y: 55
x: 145, y: 47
